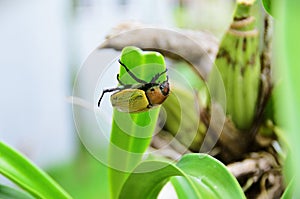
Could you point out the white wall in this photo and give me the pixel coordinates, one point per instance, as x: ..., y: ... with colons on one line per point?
x: 34, y: 115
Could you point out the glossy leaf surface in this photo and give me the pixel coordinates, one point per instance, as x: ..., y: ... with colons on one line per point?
x: 21, y: 171
x: 194, y: 176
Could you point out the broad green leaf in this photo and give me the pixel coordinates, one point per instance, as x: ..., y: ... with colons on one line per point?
x: 147, y: 180
x: 21, y: 171
x: 195, y: 176
x: 210, y: 175
x: 11, y: 193
x: 131, y: 133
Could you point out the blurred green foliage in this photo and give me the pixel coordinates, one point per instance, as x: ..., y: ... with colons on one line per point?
x: 84, y: 177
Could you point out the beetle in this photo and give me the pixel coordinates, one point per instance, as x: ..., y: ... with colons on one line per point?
x: 134, y: 98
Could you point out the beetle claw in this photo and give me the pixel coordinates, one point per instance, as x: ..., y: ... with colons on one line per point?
x: 118, y: 78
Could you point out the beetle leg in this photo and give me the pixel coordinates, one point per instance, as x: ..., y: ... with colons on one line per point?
x: 107, y: 91
x: 132, y: 75
x: 118, y: 78
x: 167, y: 78
x: 153, y: 80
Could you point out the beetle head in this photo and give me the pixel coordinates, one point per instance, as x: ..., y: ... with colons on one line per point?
x: 157, y: 94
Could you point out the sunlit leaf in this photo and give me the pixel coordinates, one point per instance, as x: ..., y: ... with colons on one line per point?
x: 21, y: 171
x: 194, y: 176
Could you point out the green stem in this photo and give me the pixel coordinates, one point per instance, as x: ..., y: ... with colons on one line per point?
x: 239, y: 65
x: 132, y: 132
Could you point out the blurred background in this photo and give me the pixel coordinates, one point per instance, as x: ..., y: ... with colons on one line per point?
x: 44, y: 43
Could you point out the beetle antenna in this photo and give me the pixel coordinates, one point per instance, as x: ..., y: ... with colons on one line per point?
x: 153, y: 80
x: 107, y: 91
x: 132, y: 75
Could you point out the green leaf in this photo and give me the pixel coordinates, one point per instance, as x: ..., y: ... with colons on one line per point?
x: 9, y: 193
x: 289, y: 191
x: 268, y: 6
x: 131, y: 133
x: 148, y: 179
x: 20, y: 170
x: 194, y: 176
x: 211, y: 176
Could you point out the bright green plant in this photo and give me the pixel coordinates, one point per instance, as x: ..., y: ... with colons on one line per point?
x: 195, y: 176
x: 131, y: 133
x: 29, y: 177
x: 198, y: 171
